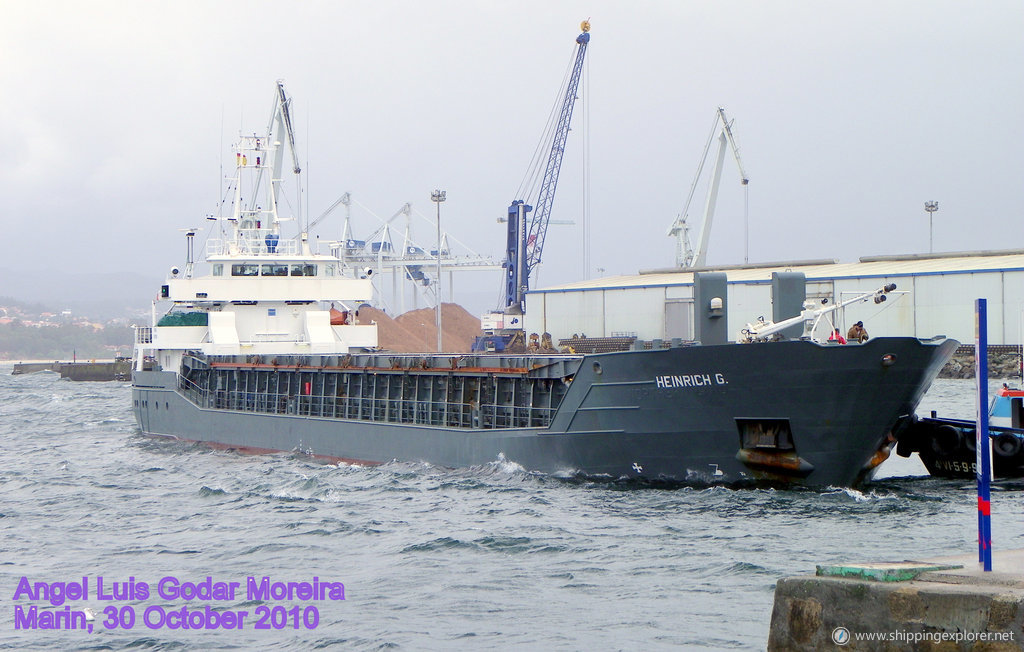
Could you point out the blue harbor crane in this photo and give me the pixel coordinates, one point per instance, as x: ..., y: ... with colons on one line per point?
x: 525, y: 244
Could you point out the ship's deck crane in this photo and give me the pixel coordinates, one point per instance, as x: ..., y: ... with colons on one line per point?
x: 810, y: 317
x: 258, y: 222
x: 685, y: 256
x: 525, y: 244
x: 281, y: 114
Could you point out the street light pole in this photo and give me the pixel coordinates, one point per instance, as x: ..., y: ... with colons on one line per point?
x: 437, y: 197
x: 930, y: 207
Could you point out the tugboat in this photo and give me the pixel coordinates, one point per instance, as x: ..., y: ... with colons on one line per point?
x: 265, y: 352
x: 948, y: 447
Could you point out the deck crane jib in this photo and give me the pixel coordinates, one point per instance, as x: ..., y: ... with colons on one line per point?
x: 526, y: 233
x: 685, y: 255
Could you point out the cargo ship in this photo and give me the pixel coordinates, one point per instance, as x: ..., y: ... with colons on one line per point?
x: 265, y: 351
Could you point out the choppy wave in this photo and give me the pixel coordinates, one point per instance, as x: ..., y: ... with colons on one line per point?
x: 487, y: 557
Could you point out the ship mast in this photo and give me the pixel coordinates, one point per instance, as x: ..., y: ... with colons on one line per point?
x: 256, y: 218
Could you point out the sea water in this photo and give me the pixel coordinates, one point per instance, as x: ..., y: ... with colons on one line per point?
x: 425, y: 558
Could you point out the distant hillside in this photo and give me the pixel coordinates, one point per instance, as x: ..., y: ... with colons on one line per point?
x: 19, y: 342
x: 101, y: 296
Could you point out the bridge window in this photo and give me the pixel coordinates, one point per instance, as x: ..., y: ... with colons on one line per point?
x: 274, y: 270
x: 245, y: 269
x: 303, y: 270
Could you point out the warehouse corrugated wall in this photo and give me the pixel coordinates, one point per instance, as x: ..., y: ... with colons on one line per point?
x: 935, y: 296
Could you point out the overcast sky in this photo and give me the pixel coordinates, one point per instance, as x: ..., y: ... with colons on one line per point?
x: 116, y: 116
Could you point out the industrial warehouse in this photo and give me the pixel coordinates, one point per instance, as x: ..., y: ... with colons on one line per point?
x: 934, y: 295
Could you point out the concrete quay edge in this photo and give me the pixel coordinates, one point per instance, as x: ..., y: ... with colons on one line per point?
x: 945, y: 603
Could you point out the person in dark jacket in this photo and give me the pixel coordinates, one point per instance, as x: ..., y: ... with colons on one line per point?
x: 857, y: 333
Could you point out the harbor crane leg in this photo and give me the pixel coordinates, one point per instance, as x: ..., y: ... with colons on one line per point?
x: 700, y: 260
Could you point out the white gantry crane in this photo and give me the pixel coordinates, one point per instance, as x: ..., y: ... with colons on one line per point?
x: 381, y: 254
x: 685, y: 255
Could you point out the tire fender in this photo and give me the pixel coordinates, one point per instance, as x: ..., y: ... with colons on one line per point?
x: 1006, y: 445
x: 945, y: 441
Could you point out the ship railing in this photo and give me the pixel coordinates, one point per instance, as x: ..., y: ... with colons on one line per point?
x: 192, y: 391
x: 250, y: 246
x: 382, y: 410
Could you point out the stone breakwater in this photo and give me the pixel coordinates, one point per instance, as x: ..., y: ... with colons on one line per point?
x: 1003, y: 362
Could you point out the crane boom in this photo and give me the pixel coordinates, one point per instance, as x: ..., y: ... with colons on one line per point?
x: 344, y: 199
x: 539, y: 222
x: 526, y: 245
x: 727, y: 127
x: 279, y: 114
x: 286, y: 117
x: 685, y: 256
x: 761, y: 330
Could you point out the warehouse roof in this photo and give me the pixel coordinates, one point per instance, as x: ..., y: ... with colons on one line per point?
x: 966, y: 262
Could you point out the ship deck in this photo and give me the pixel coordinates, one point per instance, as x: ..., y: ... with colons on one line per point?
x: 477, y: 391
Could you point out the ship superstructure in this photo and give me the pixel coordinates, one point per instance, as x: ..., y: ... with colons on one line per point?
x: 263, y: 294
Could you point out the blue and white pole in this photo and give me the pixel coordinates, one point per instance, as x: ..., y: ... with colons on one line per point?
x: 984, y: 459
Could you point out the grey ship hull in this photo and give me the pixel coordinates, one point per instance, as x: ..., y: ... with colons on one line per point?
x: 796, y: 412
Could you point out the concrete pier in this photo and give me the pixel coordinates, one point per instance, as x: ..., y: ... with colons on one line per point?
x: 120, y: 369
x: 117, y: 369
x: 937, y: 604
x: 34, y: 367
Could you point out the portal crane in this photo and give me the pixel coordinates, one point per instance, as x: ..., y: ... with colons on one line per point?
x: 525, y: 244
x: 685, y: 256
